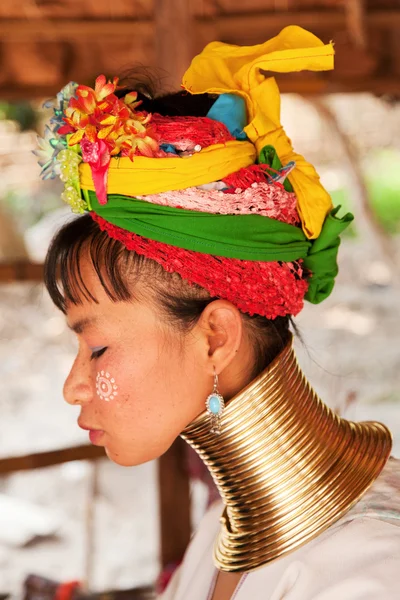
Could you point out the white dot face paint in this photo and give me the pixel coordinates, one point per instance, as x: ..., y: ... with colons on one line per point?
x: 105, y: 386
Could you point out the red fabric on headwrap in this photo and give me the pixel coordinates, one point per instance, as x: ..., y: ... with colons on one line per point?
x: 245, y: 177
x: 184, y: 133
x: 270, y: 289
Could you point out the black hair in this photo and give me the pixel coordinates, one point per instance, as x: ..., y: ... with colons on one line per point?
x: 148, y: 83
x: 120, y: 270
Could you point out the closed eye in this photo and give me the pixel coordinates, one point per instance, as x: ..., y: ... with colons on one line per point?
x: 98, y: 353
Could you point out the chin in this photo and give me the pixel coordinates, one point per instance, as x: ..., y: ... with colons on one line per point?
x: 126, y: 460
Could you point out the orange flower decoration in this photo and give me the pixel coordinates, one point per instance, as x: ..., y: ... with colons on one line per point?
x: 98, y: 114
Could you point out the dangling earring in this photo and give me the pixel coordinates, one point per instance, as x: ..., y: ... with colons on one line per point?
x: 215, y: 407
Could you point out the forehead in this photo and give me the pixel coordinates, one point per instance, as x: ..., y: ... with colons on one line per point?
x: 96, y: 276
x: 103, y: 315
x: 91, y: 279
x: 93, y: 298
x: 105, y: 312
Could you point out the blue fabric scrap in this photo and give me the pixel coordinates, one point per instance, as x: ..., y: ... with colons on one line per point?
x: 230, y: 110
x: 168, y: 148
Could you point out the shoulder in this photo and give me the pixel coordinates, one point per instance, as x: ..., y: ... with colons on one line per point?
x: 358, y: 558
x: 382, y: 501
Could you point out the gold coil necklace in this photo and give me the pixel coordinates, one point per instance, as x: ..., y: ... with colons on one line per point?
x: 286, y: 466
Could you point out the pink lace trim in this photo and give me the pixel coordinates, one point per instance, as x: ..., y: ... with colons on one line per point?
x: 270, y: 289
x: 261, y: 199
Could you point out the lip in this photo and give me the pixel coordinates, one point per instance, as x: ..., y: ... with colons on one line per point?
x: 86, y: 427
x: 95, y: 435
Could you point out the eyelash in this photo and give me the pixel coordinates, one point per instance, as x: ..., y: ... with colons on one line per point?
x: 98, y: 353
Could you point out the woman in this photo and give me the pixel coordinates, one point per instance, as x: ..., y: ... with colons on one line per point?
x: 205, y: 233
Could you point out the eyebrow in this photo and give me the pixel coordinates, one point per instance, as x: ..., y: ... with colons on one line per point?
x: 80, y: 325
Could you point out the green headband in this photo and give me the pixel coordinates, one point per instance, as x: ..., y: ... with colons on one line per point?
x: 246, y: 237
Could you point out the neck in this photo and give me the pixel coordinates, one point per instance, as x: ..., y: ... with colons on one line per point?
x: 286, y: 466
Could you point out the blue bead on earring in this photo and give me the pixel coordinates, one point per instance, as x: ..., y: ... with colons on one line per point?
x: 215, y: 407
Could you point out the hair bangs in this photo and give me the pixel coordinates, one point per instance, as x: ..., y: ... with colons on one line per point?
x: 79, y: 240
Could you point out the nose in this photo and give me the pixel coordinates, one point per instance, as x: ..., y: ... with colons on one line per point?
x: 78, y: 387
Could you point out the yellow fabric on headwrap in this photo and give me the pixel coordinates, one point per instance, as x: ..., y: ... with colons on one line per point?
x: 144, y: 175
x: 224, y: 68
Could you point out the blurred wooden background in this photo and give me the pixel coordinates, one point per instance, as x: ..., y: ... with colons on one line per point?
x: 46, y: 43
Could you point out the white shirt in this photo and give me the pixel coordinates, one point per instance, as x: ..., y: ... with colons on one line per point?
x: 357, y: 558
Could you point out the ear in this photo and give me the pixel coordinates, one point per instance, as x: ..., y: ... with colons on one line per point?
x: 221, y: 325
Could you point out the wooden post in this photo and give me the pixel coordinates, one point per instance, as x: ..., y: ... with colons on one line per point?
x: 174, y: 34
x: 174, y: 497
x: 355, y: 17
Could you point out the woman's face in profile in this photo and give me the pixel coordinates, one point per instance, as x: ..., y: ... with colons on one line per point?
x: 138, y: 384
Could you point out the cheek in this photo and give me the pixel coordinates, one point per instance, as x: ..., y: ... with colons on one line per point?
x: 144, y: 399
x: 107, y: 388
x: 138, y: 385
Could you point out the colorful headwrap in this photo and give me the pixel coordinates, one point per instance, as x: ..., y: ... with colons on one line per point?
x: 223, y: 200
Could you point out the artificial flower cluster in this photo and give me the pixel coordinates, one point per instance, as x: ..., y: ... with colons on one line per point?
x: 53, y: 142
x: 96, y: 115
x: 69, y: 162
x: 100, y: 126
x: 105, y: 126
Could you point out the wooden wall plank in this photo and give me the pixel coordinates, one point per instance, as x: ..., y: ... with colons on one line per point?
x: 75, y: 60
x: 228, y: 25
x: 40, y: 460
x: 305, y: 86
x: 33, y: 63
x: 80, y: 49
x: 206, y: 8
x: 144, y: 9
x: 103, y: 30
x: 239, y: 6
x: 20, y: 271
x: 58, y: 9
